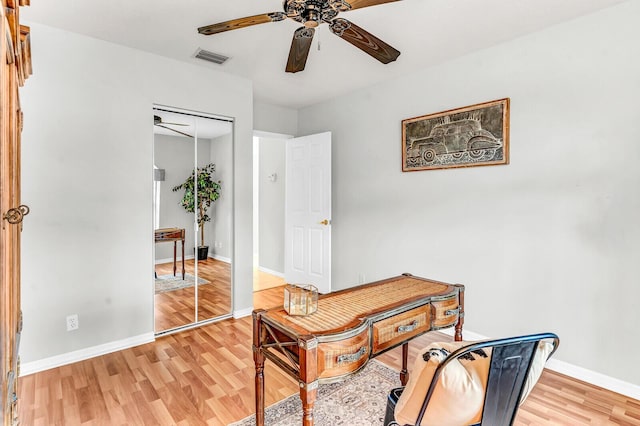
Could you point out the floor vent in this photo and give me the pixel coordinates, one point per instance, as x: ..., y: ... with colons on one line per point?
x: 216, y: 58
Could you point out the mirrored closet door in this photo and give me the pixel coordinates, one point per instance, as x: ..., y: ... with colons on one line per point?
x: 192, y: 217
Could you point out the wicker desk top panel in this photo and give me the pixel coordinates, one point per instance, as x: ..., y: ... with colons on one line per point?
x: 337, y: 310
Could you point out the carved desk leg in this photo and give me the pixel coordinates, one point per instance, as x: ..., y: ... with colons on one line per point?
x: 460, y: 323
x: 308, y: 376
x: 175, y: 243
x: 183, y: 258
x: 404, y: 376
x: 258, y: 359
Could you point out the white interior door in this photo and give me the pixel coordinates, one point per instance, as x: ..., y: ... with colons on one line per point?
x: 307, y: 227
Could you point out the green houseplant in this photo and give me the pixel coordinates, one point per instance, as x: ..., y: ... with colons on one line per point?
x: 208, y: 191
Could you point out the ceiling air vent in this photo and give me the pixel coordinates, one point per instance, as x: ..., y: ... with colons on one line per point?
x: 216, y: 58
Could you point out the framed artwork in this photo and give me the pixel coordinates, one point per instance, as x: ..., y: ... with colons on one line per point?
x: 475, y: 135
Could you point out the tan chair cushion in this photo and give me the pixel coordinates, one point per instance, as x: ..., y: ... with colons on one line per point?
x: 539, y: 360
x: 459, y: 398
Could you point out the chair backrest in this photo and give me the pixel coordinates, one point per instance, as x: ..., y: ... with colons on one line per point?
x: 511, y: 360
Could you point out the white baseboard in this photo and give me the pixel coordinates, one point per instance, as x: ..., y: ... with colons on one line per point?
x: 594, y: 378
x: 241, y: 313
x: 271, y: 272
x: 579, y: 373
x: 213, y: 256
x: 220, y: 258
x: 83, y: 354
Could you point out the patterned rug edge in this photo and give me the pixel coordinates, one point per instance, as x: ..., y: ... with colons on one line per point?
x: 168, y: 282
x: 358, y: 400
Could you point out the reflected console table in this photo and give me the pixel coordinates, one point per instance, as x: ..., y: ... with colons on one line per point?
x: 175, y: 235
x: 349, y: 328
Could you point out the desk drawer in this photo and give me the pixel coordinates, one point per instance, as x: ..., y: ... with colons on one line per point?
x: 343, y: 357
x: 169, y: 234
x: 398, y: 328
x: 445, y: 313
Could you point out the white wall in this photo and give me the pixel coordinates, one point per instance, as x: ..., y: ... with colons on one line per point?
x: 175, y: 155
x: 87, y: 176
x: 549, y: 242
x: 274, y: 119
x: 219, y: 229
x: 272, y: 123
x: 271, y: 202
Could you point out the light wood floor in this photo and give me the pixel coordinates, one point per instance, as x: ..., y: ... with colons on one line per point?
x: 264, y: 281
x: 204, y: 376
x: 177, y: 308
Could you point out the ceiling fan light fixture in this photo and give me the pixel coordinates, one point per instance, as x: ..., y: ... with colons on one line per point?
x: 208, y: 56
x: 311, y: 18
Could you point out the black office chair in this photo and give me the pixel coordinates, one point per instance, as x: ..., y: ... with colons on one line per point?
x: 510, y: 363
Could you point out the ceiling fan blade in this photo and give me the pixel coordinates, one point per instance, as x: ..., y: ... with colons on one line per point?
x: 174, y: 130
x: 248, y: 21
x: 358, y: 4
x: 364, y: 41
x: 300, y: 46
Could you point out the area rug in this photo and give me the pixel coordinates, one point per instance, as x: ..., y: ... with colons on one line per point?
x: 360, y: 400
x: 168, y: 282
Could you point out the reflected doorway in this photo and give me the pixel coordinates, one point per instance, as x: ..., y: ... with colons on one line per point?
x: 268, y: 209
x: 193, y: 218
x: 273, y: 169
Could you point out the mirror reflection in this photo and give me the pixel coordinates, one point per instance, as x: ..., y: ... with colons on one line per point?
x: 192, y: 204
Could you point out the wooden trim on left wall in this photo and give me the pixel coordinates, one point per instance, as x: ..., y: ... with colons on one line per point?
x: 15, y: 68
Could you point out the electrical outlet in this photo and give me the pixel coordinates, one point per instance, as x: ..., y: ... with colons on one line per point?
x: 361, y: 278
x: 72, y: 322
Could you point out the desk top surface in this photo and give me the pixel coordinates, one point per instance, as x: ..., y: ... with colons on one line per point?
x: 168, y: 230
x: 169, y: 234
x: 343, y: 309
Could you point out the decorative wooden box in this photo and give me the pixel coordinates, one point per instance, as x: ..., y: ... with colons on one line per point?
x: 300, y: 299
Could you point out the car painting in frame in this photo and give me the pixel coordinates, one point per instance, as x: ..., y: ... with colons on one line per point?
x: 475, y: 135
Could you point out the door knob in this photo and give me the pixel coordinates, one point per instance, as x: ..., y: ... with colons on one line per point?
x: 15, y: 215
x: 325, y: 222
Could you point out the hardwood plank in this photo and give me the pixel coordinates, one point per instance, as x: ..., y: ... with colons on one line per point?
x: 264, y: 281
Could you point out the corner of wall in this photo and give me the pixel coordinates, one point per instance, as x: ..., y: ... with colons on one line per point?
x: 274, y: 119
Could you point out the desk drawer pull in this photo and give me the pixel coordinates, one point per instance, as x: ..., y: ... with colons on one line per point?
x: 450, y: 312
x: 407, y: 328
x: 352, y: 357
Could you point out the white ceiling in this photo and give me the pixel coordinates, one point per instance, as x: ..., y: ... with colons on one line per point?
x: 427, y: 32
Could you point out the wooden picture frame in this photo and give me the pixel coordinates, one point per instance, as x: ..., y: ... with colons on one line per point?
x: 475, y: 135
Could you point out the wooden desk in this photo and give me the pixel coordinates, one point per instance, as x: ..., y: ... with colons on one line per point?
x: 349, y: 328
x: 175, y: 235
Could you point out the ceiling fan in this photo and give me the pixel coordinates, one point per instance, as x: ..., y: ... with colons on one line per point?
x: 312, y: 13
x: 157, y: 121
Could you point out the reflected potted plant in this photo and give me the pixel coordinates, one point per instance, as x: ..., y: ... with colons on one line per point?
x: 208, y: 191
